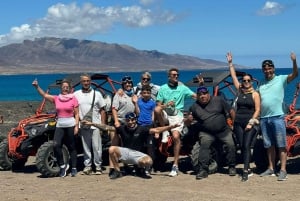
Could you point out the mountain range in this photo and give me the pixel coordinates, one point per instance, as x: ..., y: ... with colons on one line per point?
x: 53, y: 55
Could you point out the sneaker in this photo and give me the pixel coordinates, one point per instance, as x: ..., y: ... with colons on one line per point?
x: 250, y: 173
x: 73, y: 172
x: 148, y: 171
x: 282, y: 176
x: 110, y: 173
x: 232, y: 171
x: 98, y: 171
x: 201, y: 175
x: 87, y: 170
x: 115, y: 175
x: 245, y: 176
x: 141, y: 172
x: 268, y: 172
x: 63, y: 170
x: 174, y: 171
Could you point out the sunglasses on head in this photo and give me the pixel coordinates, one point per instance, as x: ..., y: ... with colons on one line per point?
x: 126, y: 79
x: 130, y: 116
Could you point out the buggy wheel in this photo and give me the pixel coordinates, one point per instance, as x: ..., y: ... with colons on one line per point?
x: 213, y: 165
x: 6, y: 162
x: 46, y: 162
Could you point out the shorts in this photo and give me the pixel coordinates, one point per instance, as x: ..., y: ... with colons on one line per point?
x: 273, y: 131
x: 177, y: 119
x: 130, y: 156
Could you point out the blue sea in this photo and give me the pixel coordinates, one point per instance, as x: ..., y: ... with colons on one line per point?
x: 19, y: 88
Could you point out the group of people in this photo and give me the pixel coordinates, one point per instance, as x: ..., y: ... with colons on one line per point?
x: 144, y: 112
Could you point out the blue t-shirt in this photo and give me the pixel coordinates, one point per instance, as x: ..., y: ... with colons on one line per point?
x: 272, y: 95
x: 177, y: 94
x: 146, y: 111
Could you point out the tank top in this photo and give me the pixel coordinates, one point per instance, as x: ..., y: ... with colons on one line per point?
x: 245, y: 108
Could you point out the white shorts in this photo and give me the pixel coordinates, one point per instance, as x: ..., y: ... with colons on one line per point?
x: 177, y: 119
x: 130, y: 156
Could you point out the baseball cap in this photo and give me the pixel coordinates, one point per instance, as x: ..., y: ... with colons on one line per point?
x: 202, y: 89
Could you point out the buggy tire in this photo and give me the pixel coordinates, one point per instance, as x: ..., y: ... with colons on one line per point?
x: 6, y: 162
x: 213, y: 165
x: 46, y: 162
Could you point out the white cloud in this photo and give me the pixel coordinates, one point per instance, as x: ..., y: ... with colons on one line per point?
x: 271, y: 8
x: 73, y: 21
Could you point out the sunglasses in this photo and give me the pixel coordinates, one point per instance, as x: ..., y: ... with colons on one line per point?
x: 175, y: 75
x: 146, y: 79
x: 126, y: 79
x: 247, y: 80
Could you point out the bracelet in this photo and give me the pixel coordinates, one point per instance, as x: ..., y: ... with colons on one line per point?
x: 253, y: 121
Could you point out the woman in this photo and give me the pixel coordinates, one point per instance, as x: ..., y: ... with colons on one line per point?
x: 67, y: 124
x: 146, y: 80
x: 247, y: 114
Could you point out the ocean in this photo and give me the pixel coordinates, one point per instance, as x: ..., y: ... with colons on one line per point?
x: 19, y: 88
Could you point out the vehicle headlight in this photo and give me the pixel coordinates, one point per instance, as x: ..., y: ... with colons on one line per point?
x: 33, y: 131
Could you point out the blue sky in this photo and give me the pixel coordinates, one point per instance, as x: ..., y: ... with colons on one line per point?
x: 202, y: 28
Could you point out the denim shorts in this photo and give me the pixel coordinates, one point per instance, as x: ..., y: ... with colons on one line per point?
x: 273, y: 131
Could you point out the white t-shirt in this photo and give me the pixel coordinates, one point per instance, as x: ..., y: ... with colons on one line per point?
x: 85, y: 101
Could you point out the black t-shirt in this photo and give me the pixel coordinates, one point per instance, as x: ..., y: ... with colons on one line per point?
x: 133, y: 139
x: 212, y: 116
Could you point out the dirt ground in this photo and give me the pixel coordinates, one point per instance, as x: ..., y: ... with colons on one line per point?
x: 29, y: 185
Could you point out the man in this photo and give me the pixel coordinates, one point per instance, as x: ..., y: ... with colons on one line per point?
x: 211, y: 113
x: 89, y: 99
x: 133, y: 138
x: 170, y: 104
x: 272, y: 122
x: 146, y: 81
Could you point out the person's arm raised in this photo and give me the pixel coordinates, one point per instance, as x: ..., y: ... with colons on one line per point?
x: 235, y: 80
x: 294, y: 74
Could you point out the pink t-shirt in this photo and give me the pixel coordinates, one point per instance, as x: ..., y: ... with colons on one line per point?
x: 65, y: 107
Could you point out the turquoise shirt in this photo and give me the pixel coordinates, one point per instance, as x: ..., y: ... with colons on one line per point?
x: 177, y: 94
x: 272, y: 95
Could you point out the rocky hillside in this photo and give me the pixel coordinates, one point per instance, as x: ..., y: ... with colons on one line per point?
x: 46, y: 55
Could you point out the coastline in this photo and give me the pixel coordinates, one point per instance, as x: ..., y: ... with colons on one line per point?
x: 13, y: 112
